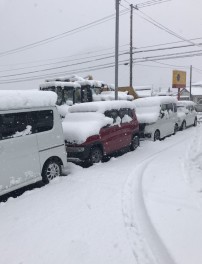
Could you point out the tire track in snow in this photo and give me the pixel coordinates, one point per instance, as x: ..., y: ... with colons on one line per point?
x: 193, y: 163
x: 147, y: 246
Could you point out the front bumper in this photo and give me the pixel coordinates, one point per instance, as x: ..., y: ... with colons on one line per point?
x: 77, y: 153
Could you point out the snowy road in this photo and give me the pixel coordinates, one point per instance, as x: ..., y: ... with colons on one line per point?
x: 143, y: 207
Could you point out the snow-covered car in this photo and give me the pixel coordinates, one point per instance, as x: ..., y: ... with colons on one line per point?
x: 157, y: 116
x: 31, y: 139
x: 198, y: 106
x: 186, y: 114
x: 96, y: 130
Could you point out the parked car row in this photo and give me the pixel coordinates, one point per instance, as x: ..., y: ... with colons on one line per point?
x: 163, y: 116
x: 35, y: 145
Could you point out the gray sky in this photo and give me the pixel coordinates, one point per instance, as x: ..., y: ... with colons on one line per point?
x: 23, y: 22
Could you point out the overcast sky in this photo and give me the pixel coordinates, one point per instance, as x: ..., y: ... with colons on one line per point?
x: 23, y: 22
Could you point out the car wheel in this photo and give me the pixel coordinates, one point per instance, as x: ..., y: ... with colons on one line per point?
x: 195, y: 122
x: 51, y: 170
x: 157, y: 135
x: 183, y: 125
x: 96, y: 155
x: 175, y: 129
x: 135, y: 142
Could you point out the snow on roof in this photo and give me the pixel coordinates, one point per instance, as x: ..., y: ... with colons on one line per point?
x: 100, y: 107
x: 195, y: 90
x: 71, y: 78
x: 110, y: 95
x: 197, y: 83
x: 147, y: 109
x: 185, y: 103
x: 59, y: 84
x: 155, y: 100
x: 140, y: 88
x: 144, y: 93
x: 18, y: 99
x: 77, y: 80
x: 77, y: 127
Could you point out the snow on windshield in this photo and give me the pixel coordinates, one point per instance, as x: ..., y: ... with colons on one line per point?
x: 77, y: 127
x: 17, y: 99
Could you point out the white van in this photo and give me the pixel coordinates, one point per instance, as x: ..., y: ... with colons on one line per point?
x: 157, y: 116
x: 31, y: 139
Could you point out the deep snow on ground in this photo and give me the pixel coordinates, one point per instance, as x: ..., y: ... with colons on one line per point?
x: 143, y: 207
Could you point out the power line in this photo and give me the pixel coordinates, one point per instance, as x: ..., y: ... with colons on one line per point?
x: 99, y: 57
x: 101, y: 66
x: 61, y: 35
x: 104, y: 58
x: 157, y: 24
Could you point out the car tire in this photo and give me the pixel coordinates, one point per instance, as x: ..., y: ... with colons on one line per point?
x: 175, y: 129
x: 183, y: 125
x: 51, y: 170
x: 157, y: 135
x: 135, y: 142
x: 96, y: 155
x: 195, y: 122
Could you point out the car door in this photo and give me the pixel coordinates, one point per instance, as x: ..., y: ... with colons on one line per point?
x: 163, y: 122
x: 19, y: 159
x: 190, y: 116
x: 125, y: 130
x: 110, y: 135
x: 171, y: 118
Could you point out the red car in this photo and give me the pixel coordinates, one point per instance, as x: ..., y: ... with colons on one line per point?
x: 96, y: 130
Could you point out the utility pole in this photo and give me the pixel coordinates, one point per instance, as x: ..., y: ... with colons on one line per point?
x: 190, y: 84
x: 117, y: 50
x: 131, y: 45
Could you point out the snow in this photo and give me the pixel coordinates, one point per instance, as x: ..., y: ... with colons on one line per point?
x: 185, y: 103
x: 140, y: 208
x: 148, y: 109
x: 77, y: 80
x: 195, y: 90
x: 110, y: 95
x: 100, y: 107
x: 77, y: 127
x: 26, y: 99
x: 60, y: 84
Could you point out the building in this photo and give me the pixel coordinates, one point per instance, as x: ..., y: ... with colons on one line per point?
x: 196, y: 92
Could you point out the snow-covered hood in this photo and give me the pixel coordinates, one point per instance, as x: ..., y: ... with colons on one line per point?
x: 77, y: 127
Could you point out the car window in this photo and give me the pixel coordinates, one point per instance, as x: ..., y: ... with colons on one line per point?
x: 123, y: 112
x: 13, y: 124
x: 125, y: 115
x: 169, y: 107
x: 112, y: 114
x: 163, y: 107
x: 40, y: 120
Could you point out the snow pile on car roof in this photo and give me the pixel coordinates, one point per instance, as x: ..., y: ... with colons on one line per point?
x: 109, y: 95
x: 59, y: 84
x: 148, y: 109
x: 77, y: 127
x: 18, y: 99
x: 100, y: 107
x: 185, y: 103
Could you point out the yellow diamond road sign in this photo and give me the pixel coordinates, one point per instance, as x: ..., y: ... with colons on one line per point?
x: 179, y: 79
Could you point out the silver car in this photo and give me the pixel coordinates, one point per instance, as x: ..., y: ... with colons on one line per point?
x: 198, y: 106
